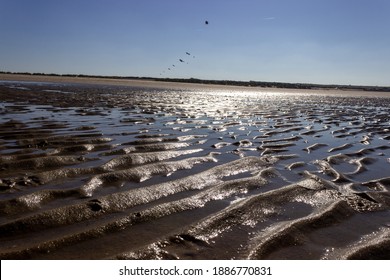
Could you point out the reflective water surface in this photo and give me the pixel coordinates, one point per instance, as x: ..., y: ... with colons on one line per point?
x: 96, y: 172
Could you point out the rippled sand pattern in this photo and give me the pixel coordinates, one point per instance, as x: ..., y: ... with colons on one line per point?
x: 110, y: 172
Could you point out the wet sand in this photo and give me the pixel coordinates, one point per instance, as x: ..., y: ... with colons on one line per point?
x: 133, y: 170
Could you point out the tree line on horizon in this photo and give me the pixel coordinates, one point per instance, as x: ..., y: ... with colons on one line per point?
x: 217, y: 82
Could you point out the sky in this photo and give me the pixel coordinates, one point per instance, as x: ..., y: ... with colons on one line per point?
x: 298, y: 41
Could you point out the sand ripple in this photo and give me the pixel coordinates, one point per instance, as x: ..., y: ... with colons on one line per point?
x: 110, y: 172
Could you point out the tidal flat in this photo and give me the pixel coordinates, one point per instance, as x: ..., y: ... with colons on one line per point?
x: 116, y: 171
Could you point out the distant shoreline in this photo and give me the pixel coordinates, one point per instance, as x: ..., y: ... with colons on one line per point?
x: 174, y: 82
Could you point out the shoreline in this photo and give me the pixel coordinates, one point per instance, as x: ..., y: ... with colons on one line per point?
x: 89, y: 80
x: 182, y: 85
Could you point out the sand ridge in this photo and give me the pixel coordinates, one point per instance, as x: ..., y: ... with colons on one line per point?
x: 109, y: 171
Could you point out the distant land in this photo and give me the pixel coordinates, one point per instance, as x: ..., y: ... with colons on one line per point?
x: 219, y: 82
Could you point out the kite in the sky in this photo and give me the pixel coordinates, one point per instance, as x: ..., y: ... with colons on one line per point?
x: 181, y: 60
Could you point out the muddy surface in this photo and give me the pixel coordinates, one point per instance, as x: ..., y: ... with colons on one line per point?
x: 119, y: 172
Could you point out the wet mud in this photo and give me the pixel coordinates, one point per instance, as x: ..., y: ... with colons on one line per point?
x: 120, y: 172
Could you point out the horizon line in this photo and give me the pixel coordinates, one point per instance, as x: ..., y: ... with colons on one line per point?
x: 248, y: 83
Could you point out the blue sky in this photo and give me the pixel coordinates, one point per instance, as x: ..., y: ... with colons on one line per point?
x: 312, y: 41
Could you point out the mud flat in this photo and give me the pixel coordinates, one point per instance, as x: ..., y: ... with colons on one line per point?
x: 169, y: 171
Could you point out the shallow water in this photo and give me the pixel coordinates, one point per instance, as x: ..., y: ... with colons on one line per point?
x: 96, y: 172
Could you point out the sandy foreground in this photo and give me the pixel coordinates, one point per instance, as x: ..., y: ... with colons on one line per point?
x: 103, y: 169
